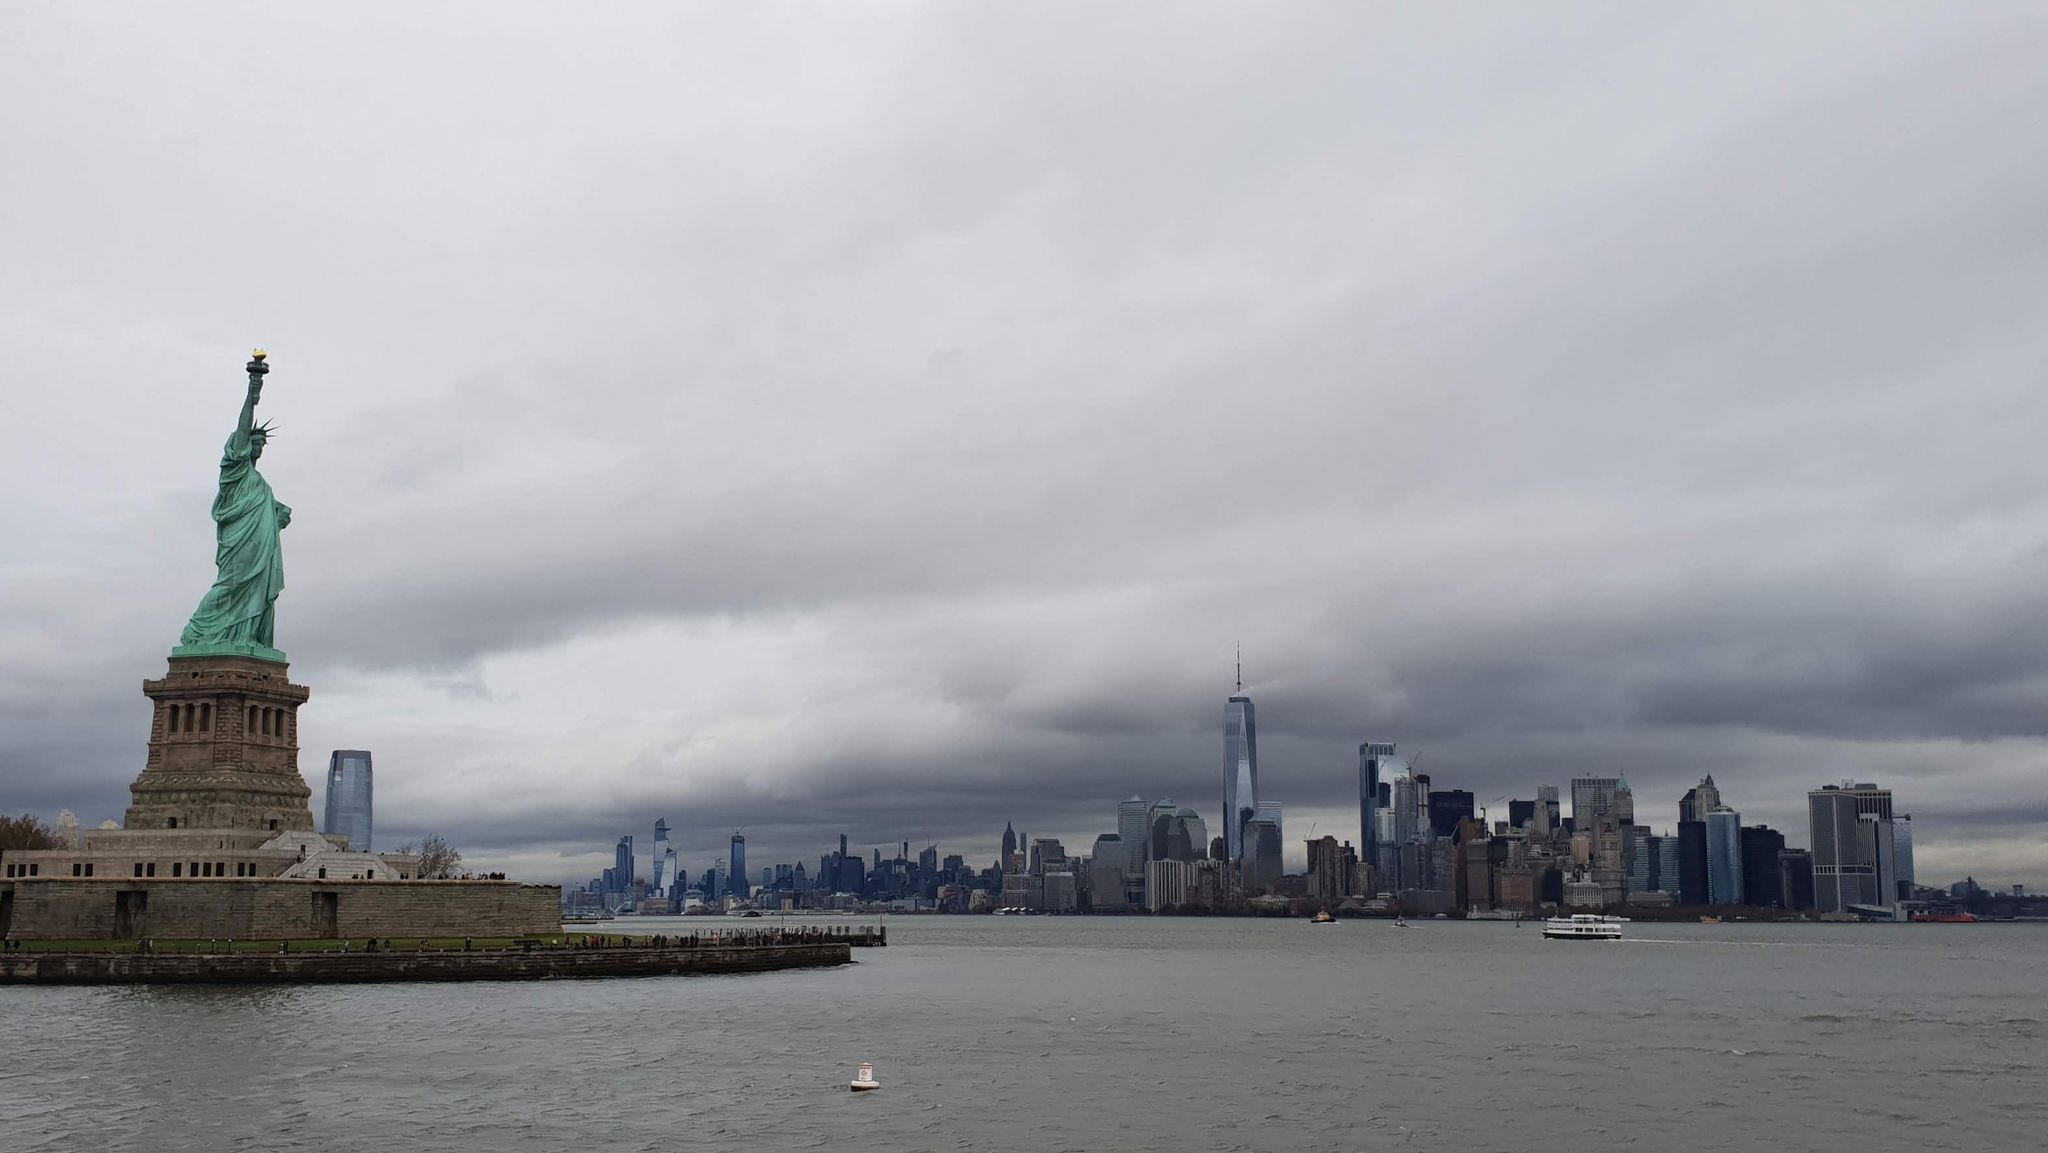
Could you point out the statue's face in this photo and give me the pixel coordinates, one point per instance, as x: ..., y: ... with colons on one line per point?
x: 256, y: 447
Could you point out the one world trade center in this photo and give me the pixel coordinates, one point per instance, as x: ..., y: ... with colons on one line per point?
x: 1240, y: 771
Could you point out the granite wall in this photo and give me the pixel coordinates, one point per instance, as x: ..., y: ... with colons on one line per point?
x: 265, y: 908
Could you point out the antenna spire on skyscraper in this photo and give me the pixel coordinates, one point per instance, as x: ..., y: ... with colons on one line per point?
x: 1240, y: 668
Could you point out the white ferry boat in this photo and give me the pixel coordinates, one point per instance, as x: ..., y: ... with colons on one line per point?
x: 1583, y: 927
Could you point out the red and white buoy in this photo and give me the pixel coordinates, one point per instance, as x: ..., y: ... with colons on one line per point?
x: 864, y: 1078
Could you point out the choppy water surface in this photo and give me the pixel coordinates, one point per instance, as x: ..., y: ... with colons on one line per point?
x: 1074, y: 1033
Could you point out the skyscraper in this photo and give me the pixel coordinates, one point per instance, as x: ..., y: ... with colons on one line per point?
x: 1448, y: 807
x: 1261, y: 864
x: 1009, y: 844
x: 1724, y: 857
x: 348, y: 797
x: 1902, y: 852
x: 1854, y: 854
x: 1761, y: 884
x: 622, y: 864
x: 1369, y: 777
x: 1133, y: 830
x: 1240, y: 771
x: 1269, y: 811
x: 664, y: 859
x: 1699, y: 800
x: 739, y: 865
x: 1592, y: 797
x: 1692, y: 862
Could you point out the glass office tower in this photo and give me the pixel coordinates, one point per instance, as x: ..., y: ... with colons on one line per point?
x: 1851, y: 831
x: 1133, y: 828
x: 348, y: 797
x: 1240, y: 773
x: 1370, y: 756
x: 1724, y: 857
x: 739, y: 865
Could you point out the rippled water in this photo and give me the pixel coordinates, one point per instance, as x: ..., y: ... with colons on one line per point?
x: 1095, y: 1033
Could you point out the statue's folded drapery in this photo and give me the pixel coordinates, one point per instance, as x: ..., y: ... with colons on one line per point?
x: 240, y: 605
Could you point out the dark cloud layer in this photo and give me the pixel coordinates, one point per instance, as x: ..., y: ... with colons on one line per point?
x: 890, y: 423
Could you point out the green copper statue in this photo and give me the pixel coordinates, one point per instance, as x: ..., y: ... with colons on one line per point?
x: 235, y: 618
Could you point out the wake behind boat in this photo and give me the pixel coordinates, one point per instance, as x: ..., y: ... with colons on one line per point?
x: 1582, y: 927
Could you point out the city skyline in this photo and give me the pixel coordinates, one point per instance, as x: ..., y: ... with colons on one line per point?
x: 837, y: 434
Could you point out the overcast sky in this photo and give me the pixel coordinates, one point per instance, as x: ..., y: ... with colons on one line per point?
x: 888, y: 418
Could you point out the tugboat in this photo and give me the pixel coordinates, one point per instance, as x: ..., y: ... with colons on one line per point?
x: 864, y: 1078
x: 1322, y: 918
x: 1582, y: 927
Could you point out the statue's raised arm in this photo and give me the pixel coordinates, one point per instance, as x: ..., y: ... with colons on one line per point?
x: 236, y: 617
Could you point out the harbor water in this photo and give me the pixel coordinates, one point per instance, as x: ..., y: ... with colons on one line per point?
x: 1127, y: 1034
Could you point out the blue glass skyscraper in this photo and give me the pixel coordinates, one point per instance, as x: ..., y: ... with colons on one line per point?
x: 1370, y: 755
x: 739, y: 865
x: 1240, y: 772
x: 348, y: 797
x: 1724, y: 857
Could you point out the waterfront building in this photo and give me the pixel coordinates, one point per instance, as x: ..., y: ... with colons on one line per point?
x: 1370, y: 756
x: 1724, y: 857
x: 1023, y: 891
x: 348, y: 797
x: 1059, y: 892
x: 1331, y: 869
x: 1240, y: 771
x: 1133, y: 830
x: 1692, y: 862
x: 1795, y: 878
x: 1854, y: 854
x: 1761, y: 885
x: 1902, y: 853
x: 1666, y: 850
x: 1167, y: 884
x: 1107, y: 880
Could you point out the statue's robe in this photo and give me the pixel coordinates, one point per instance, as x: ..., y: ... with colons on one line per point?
x: 240, y: 605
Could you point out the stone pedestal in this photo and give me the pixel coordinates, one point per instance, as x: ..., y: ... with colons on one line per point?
x: 223, y: 749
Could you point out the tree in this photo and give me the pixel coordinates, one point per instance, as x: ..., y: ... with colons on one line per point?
x: 26, y: 832
x: 438, y: 859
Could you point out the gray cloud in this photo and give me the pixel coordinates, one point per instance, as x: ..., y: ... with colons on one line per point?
x: 891, y: 424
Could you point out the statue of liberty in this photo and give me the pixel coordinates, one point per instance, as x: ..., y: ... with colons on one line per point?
x: 236, y: 616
